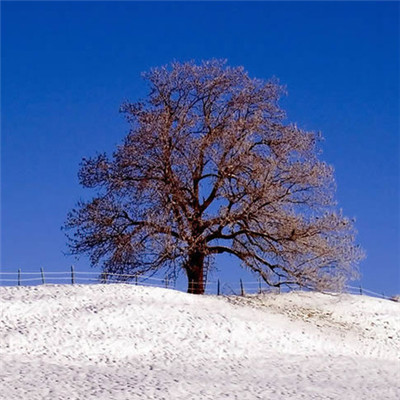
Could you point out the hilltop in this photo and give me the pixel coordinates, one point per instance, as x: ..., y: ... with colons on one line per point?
x: 130, y: 342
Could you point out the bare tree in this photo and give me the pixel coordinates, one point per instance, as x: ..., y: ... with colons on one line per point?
x: 210, y: 167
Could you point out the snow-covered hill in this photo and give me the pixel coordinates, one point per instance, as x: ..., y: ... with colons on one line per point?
x: 131, y: 342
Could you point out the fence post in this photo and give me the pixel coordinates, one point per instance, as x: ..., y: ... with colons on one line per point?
x: 19, y: 277
x: 241, y: 287
x: 361, y: 290
x: 166, y: 282
x: 218, y: 288
x: 42, y: 273
x: 259, y: 285
x: 103, y: 278
x: 72, y: 275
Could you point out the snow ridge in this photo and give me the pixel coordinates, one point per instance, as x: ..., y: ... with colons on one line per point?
x: 130, y: 342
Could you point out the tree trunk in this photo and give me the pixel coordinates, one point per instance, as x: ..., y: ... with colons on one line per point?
x: 195, y: 273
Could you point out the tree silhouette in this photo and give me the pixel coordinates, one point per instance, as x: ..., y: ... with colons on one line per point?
x: 210, y: 167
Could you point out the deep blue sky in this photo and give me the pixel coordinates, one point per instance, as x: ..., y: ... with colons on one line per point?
x: 66, y: 68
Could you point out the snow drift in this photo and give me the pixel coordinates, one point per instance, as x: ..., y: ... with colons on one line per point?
x: 131, y: 342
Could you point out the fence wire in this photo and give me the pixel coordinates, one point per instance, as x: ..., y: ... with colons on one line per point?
x: 212, y: 286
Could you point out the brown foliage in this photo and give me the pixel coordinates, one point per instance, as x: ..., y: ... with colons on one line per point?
x: 210, y: 167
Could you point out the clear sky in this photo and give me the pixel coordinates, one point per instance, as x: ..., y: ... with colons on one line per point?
x: 67, y: 66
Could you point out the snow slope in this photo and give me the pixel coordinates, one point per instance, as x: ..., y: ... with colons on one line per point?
x: 131, y: 342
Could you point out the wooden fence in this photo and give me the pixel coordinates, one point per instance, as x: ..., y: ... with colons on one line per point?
x: 218, y: 287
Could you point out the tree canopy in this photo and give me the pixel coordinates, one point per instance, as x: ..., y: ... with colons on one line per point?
x: 209, y: 167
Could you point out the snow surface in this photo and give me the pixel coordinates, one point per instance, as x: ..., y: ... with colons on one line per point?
x: 131, y: 342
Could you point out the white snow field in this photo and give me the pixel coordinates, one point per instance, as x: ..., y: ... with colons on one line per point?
x: 130, y: 342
